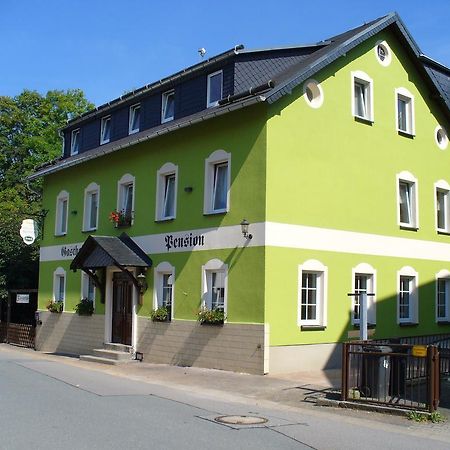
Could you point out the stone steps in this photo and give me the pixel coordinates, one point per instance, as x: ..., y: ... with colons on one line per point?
x: 112, y: 354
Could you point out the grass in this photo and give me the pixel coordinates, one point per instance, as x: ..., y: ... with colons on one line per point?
x: 435, y: 417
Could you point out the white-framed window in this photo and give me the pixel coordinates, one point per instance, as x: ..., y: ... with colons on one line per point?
x: 87, y: 287
x: 443, y: 296
x: 164, y: 287
x: 408, y: 296
x: 442, y: 199
x: 62, y: 213
x: 404, y: 107
x: 166, y: 192
x: 217, y: 182
x: 441, y: 137
x: 135, y: 119
x: 75, y: 142
x: 214, y: 89
x: 312, y: 294
x: 407, y: 195
x: 168, y: 106
x: 362, y: 96
x: 105, y: 130
x: 313, y: 93
x: 125, y: 198
x: 59, y: 285
x: 91, y: 204
x: 214, y: 285
x: 383, y: 53
x: 364, y: 281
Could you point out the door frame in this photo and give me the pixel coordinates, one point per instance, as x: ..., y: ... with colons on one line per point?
x: 109, y: 306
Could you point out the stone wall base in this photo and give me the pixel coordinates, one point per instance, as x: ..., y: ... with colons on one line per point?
x: 304, y: 358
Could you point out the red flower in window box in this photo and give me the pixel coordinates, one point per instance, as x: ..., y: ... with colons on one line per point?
x: 120, y: 218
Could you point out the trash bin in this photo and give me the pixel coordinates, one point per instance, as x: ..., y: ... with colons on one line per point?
x: 375, y: 373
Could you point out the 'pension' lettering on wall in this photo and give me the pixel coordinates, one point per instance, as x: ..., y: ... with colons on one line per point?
x: 68, y: 252
x: 186, y: 241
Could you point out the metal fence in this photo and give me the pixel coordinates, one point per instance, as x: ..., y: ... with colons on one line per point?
x: 396, y: 375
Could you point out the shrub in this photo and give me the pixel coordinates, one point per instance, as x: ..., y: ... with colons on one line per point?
x: 85, y: 307
x: 160, y: 314
x: 54, y: 307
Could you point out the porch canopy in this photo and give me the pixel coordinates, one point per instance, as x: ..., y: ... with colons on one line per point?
x: 104, y: 251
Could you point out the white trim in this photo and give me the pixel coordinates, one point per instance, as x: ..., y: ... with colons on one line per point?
x: 164, y: 98
x: 408, y: 271
x: 92, y: 188
x: 124, y: 181
x: 217, y: 157
x: 411, y: 180
x: 388, y: 58
x: 315, y: 267
x: 102, y: 126
x: 85, y: 286
x: 215, y: 103
x: 440, y: 129
x: 443, y: 274
x: 365, y: 269
x: 57, y: 274
x: 166, y: 170
x: 281, y: 235
x: 443, y: 187
x: 403, y: 94
x: 214, y: 265
x: 62, y: 196
x: 163, y: 268
x: 78, y: 131
x: 363, y: 78
x: 131, y: 117
x: 317, y: 92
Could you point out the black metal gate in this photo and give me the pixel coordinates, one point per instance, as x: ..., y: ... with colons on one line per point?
x: 17, y: 318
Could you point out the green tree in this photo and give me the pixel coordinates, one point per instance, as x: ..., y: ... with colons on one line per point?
x: 29, y: 137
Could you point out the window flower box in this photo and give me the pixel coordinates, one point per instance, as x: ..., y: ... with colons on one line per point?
x: 211, y: 316
x: 160, y: 314
x: 121, y: 219
x: 85, y: 307
x: 55, y: 307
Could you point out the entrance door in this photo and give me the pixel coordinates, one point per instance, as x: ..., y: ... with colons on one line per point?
x: 122, y: 309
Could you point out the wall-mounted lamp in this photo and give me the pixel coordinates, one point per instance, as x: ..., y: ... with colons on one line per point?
x: 244, y: 229
x: 142, y: 281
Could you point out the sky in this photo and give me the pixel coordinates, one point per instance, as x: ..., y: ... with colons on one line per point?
x: 107, y: 48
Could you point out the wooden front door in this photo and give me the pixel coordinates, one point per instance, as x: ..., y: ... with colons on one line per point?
x: 122, y: 309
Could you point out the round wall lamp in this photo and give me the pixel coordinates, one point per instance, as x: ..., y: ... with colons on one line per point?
x: 244, y: 228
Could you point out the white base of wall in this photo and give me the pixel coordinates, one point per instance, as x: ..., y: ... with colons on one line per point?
x: 304, y: 358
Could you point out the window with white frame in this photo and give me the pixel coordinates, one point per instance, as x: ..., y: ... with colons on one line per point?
x: 407, y: 215
x: 62, y: 210
x: 166, y: 192
x: 313, y: 93
x: 363, y: 281
x: 168, y: 106
x: 362, y: 89
x: 87, y: 287
x: 164, y: 287
x: 442, y: 190
x: 214, y: 90
x: 91, y: 202
x: 59, y: 285
x: 105, y: 130
x: 383, y: 53
x: 217, y: 183
x: 75, y: 142
x: 442, y: 296
x: 214, y: 285
x: 312, y: 298
x: 135, y: 119
x: 405, y: 111
x: 407, y: 298
x: 125, y: 199
x: 441, y: 137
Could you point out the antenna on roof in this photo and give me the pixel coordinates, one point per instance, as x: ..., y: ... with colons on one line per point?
x: 202, y: 52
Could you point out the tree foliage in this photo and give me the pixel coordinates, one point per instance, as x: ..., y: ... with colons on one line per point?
x: 29, y: 137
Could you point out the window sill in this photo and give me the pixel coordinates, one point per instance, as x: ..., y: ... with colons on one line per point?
x: 165, y: 219
x: 168, y: 119
x: 443, y: 322
x: 369, y: 326
x: 89, y: 230
x: 409, y: 228
x: 408, y: 324
x: 312, y: 327
x: 406, y: 134
x: 60, y: 234
x: 212, y: 213
x: 444, y: 232
x: 104, y: 142
x: 133, y: 131
x: 364, y: 120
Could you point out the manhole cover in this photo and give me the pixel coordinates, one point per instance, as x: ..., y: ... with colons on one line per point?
x: 241, y: 420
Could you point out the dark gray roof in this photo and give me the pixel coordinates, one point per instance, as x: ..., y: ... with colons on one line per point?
x: 105, y: 251
x: 286, y: 72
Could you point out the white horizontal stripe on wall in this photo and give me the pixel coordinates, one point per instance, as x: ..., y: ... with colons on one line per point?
x: 273, y: 234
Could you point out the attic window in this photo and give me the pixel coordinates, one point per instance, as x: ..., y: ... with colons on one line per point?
x: 313, y: 94
x: 441, y: 137
x: 383, y: 53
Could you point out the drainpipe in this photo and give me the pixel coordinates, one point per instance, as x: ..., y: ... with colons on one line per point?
x: 252, y: 91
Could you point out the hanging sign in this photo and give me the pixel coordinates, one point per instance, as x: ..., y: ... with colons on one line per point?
x: 28, y: 231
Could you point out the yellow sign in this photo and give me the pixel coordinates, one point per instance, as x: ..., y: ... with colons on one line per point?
x: 420, y: 351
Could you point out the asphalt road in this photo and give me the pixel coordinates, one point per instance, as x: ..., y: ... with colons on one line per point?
x: 48, y: 404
